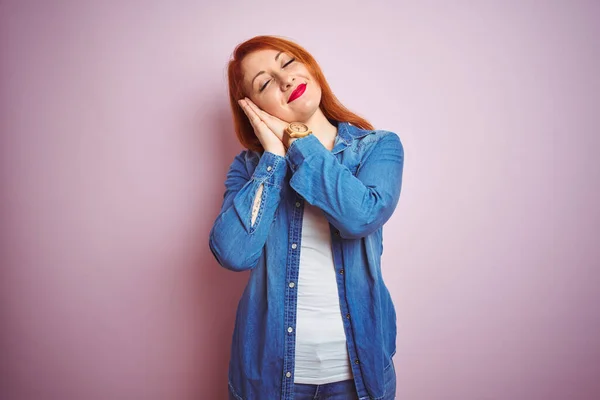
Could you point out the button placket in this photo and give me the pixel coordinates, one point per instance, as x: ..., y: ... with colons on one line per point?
x: 292, y: 277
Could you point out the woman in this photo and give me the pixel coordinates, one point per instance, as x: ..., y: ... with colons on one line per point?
x: 303, y: 211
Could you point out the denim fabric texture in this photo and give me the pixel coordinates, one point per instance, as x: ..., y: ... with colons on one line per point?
x: 357, y: 185
x: 343, y: 390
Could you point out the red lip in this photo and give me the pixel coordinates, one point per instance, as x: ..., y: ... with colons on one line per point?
x: 297, y: 92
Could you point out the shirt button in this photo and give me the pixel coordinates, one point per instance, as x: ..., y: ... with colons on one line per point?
x: 337, y: 233
x: 292, y: 284
x: 348, y: 316
x: 269, y: 168
x: 356, y: 361
x: 342, y: 271
x: 288, y: 374
x: 297, y: 204
x: 290, y: 329
x: 294, y: 246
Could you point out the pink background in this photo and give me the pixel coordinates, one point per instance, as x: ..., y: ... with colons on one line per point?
x: 116, y: 137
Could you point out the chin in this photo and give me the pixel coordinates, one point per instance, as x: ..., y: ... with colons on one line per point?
x: 304, y: 106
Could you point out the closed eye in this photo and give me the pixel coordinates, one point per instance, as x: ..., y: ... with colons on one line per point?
x: 284, y: 65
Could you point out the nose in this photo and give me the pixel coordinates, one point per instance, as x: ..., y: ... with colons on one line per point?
x: 287, y: 82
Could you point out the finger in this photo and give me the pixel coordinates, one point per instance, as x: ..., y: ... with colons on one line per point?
x: 270, y: 120
x: 265, y: 116
x: 250, y: 113
x: 261, y: 113
x: 254, y: 107
x: 258, y: 125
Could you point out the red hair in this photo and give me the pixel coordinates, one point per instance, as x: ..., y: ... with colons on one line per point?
x: 330, y: 105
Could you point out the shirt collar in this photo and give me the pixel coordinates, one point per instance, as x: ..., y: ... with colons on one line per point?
x: 346, y: 134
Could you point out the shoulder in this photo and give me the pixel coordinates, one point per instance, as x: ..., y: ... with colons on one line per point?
x: 367, y: 138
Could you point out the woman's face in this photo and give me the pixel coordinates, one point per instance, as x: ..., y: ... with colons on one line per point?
x: 270, y: 77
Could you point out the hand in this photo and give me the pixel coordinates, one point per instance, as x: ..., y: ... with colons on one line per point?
x: 266, y: 125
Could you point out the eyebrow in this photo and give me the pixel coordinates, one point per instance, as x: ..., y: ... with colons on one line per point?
x: 262, y: 72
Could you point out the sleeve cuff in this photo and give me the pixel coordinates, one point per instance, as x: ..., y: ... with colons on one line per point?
x: 300, y: 149
x: 271, y: 169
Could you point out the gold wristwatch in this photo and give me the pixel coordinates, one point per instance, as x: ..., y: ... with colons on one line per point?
x: 297, y: 130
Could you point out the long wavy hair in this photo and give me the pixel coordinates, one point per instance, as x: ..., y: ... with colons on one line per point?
x: 330, y: 105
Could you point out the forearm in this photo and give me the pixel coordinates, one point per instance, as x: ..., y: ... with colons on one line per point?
x: 240, y: 231
x: 355, y: 205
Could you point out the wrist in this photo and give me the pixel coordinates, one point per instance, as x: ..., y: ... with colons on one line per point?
x: 290, y: 141
x: 297, y: 130
x: 277, y: 151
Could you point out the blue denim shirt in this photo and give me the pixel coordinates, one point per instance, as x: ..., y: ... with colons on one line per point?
x: 357, y: 185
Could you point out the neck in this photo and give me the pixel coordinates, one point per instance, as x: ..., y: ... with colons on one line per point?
x: 324, y: 130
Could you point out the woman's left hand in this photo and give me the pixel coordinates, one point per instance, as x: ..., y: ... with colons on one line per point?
x: 275, y: 124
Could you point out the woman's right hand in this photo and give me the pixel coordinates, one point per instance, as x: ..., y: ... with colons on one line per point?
x: 269, y: 140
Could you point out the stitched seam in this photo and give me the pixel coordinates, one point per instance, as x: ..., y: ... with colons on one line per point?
x: 233, y: 392
x: 263, y: 199
x: 368, y: 139
x: 264, y: 177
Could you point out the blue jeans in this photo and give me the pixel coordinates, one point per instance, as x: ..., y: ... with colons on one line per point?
x: 343, y: 390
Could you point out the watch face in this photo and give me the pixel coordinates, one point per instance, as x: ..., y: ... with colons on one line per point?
x: 298, y: 127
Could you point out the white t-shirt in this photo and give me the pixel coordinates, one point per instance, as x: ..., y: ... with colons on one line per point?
x: 321, y: 352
